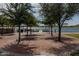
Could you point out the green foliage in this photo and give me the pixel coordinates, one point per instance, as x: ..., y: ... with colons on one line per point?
x: 30, y: 20
x: 47, y: 13
x: 4, y: 20
x: 59, y: 12
x: 16, y: 11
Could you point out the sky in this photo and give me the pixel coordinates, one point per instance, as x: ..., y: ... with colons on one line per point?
x: 74, y: 20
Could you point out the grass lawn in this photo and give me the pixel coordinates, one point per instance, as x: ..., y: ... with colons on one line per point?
x: 73, y: 35
x: 75, y: 53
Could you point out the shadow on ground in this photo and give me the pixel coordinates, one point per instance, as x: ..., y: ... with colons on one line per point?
x: 33, y: 35
x: 28, y: 38
x: 9, y: 34
x: 56, y: 38
x: 65, y: 50
x: 0, y: 37
x: 20, y: 49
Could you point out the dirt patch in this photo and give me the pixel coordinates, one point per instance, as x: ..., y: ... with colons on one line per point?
x: 40, y: 44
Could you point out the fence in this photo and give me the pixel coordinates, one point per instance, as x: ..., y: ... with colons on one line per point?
x: 6, y: 30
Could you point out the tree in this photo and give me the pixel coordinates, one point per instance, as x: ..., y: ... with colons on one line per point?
x: 3, y: 21
x: 50, y: 24
x: 16, y: 11
x: 48, y: 16
x: 30, y: 21
x: 60, y: 13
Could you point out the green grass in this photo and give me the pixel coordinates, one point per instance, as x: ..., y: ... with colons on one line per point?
x: 75, y: 53
x: 73, y: 35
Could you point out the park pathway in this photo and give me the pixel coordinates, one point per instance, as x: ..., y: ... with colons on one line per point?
x: 42, y: 44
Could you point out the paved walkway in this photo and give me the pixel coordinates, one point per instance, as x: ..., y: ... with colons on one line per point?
x: 40, y: 44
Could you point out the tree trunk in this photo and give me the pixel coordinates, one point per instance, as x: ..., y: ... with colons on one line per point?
x: 30, y: 31
x: 51, y: 31
x: 27, y: 30
x: 59, y: 34
x: 19, y: 36
x: 54, y: 28
x: 2, y: 31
